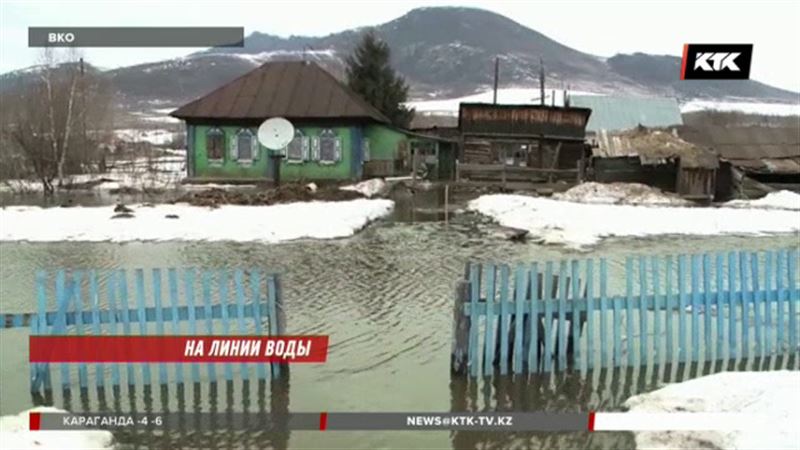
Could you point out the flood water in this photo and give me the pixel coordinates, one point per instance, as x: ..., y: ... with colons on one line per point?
x: 385, y: 298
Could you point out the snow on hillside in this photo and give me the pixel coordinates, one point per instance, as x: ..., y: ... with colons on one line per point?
x: 768, y: 109
x: 510, y: 96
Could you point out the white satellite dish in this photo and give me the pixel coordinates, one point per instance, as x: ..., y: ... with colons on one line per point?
x: 275, y: 133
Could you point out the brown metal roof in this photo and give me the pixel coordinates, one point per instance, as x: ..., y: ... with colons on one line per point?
x: 290, y: 89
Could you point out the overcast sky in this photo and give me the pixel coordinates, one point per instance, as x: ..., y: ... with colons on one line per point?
x: 598, y: 27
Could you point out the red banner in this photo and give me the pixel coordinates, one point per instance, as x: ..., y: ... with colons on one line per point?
x: 178, y: 349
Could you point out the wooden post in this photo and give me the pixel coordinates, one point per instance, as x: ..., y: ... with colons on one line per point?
x: 414, y: 161
x: 461, y: 324
x: 496, y: 75
x: 554, y: 163
x: 446, y: 203
x: 280, y: 320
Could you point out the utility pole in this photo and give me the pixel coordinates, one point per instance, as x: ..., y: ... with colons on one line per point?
x: 541, y: 81
x: 496, y: 76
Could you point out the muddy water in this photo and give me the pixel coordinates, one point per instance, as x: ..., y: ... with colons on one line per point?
x: 385, y: 298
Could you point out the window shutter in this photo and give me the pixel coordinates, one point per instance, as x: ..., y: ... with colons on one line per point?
x: 306, y: 150
x: 315, y: 148
x: 365, y: 149
x: 254, y: 146
x: 337, y: 149
x: 234, y: 147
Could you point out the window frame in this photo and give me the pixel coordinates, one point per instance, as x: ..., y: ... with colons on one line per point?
x: 304, y: 145
x: 253, y: 146
x: 216, y: 132
x: 336, y: 142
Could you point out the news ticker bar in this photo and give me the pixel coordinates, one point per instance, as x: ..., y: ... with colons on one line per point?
x: 135, y: 36
x: 517, y: 421
x: 410, y: 421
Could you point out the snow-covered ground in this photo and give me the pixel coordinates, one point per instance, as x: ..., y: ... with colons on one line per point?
x: 620, y: 193
x: 769, y: 109
x: 276, y: 223
x: 157, y: 136
x: 163, y: 172
x: 775, y: 200
x: 769, y: 399
x: 15, y: 434
x: 579, y: 225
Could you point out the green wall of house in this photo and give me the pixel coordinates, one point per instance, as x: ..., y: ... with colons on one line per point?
x: 384, y: 144
x: 384, y: 141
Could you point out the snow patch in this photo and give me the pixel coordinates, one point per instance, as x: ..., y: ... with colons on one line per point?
x: 275, y: 223
x: 14, y: 433
x: 154, y: 137
x: 578, y: 225
x: 368, y: 188
x: 777, y: 200
x: 619, y: 193
x: 772, y: 397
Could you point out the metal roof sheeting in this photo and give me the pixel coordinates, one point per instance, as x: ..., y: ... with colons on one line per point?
x: 653, y: 147
x: 614, y: 113
x: 291, y: 89
x: 754, y: 148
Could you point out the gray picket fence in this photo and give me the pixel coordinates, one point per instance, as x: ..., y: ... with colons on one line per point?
x: 178, y: 301
x: 659, y: 310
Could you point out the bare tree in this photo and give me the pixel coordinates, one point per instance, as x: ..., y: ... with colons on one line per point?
x: 42, y: 118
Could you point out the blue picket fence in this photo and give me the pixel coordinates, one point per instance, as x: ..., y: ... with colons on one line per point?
x: 153, y: 302
x: 656, y: 310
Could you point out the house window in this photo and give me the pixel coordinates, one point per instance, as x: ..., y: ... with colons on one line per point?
x: 329, y: 147
x: 215, y: 144
x: 297, y: 150
x: 245, y: 145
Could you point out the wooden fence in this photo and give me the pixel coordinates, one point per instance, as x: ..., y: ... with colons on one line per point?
x: 503, y: 174
x: 185, y: 301
x: 659, y: 310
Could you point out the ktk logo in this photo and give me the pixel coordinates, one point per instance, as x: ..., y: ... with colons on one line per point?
x: 716, y: 61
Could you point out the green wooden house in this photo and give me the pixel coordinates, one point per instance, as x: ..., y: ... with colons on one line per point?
x: 338, y: 135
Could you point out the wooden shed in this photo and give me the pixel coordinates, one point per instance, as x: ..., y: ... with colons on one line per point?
x: 657, y: 158
x: 530, y: 143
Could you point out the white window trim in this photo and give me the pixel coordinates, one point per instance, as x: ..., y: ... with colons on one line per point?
x: 304, y: 144
x: 337, y: 143
x: 246, y: 162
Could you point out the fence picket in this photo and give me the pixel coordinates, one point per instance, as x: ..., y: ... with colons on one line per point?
x: 629, y: 308
x: 576, y: 315
x: 548, y: 316
x: 644, y: 351
x: 779, y: 277
x: 172, y: 281
x: 770, y: 299
x: 745, y: 305
x: 224, y: 300
x: 561, y: 326
x: 77, y: 276
x: 255, y: 286
x: 520, y: 288
x: 534, y: 319
x: 238, y: 279
x: 504, y: 318
x: 695, y: 297
x: 63, y: 294
x: 475, y: 293
x: 655, y: 272
x: 794, y: 296
x: 156, y: 280
x: 590, y: 308
x: 718, y: 301
x: 603, y: 314
x: 732, y: 306
x: 206, y: 283
x: 682, y: 308
x: 96, y: 330
x: 488, y: 350
x: 670, y: 311
x: 140, y: 302
x: 707, y: 333
x: 756, y: 298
